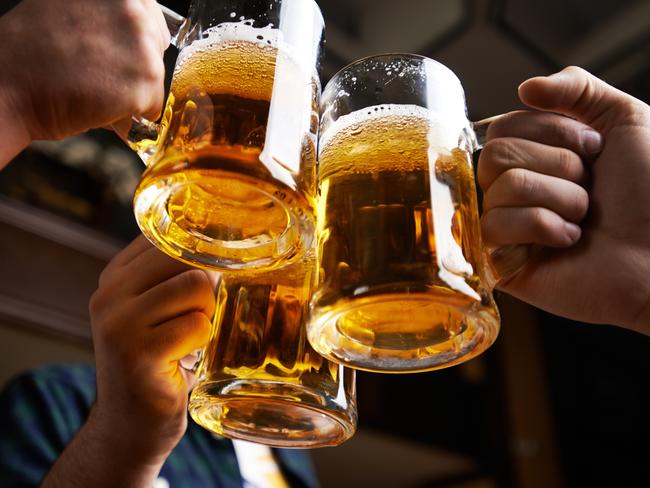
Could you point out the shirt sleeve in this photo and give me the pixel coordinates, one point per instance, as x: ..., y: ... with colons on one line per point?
x: 40, y: 413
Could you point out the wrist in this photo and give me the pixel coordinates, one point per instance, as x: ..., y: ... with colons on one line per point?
x: 120, y: 442
x: 102, y: 458
x: 141, y: 446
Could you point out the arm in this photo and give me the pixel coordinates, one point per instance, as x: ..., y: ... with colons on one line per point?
x: 14, y: 135
x: 148, y: 313
x: 101, y: 457
x: 71, y: 65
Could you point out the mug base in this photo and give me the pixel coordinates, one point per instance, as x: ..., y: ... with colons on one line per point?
x: 223, y: 220
x: 403, y: 332
x: 274, y: 413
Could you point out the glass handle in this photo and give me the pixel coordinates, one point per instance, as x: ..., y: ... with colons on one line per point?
x: 144, y: 133
x: 506, y: 261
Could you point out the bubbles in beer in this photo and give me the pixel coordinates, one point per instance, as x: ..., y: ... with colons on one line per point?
x: 399, y: 245
x: 379, y: 125
x: 238, y: 95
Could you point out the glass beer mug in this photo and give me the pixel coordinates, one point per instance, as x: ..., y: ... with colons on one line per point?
x: 405, y: 283
x: 231, y: 166
x: 258, y: 379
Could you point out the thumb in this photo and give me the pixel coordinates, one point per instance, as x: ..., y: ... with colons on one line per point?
x: 578, y: 94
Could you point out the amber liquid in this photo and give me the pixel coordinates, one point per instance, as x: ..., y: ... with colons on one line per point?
x: 210, y: 197
x: 400, y: 252
x: 259, y: 379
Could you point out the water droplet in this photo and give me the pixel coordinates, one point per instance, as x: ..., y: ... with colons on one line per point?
x: 233, y: 15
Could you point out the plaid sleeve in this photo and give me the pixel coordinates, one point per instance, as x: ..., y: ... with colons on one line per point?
x: 40, y: 412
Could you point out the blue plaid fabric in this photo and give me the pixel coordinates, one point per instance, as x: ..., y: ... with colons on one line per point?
x: 42, y: 410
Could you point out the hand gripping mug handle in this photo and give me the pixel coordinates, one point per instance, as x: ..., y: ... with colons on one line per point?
x: 503, y: 262
x: 144, y: 133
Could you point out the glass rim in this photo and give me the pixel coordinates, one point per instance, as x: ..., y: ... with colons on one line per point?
x: 313, y: 3
x: 393, y: 54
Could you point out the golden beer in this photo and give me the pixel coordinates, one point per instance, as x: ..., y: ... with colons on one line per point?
x: 400, y: 253
x: 259, y: 379
x: 231, y: 177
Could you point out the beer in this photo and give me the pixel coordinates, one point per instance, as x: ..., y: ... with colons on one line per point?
x: 259, y: 379
x: 399, y: 247
x: 231, y: 178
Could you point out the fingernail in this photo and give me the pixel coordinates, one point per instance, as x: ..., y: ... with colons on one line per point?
x: 592, y: 142
x: 573, y: 231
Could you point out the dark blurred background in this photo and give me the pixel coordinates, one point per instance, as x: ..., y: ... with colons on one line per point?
x: 553, y: 403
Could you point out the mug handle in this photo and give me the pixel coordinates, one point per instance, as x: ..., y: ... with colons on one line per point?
x: 504, y: 262
x: 144, y: 133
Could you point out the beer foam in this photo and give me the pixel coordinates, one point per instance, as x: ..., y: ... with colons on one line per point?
x: 229, y: 32
x: 238, y: 59
x: 440, y: 131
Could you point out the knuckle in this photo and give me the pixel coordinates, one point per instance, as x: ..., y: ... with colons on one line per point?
x: 541, y: 223
x: 199, y: 325
x: 96, y: 303
x: 520, y: 182
x: 153, y: 69
x: 566, y: 163
x: 196, y: 281
x: 581, y: 203
x: 488, y: 224
x: 486, y: 166
x: 105, y: 276
x: 131, y: 13
x: 559, y: 132
x: 496, y: 157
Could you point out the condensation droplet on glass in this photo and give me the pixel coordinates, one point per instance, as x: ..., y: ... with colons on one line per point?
x: 233, y: 15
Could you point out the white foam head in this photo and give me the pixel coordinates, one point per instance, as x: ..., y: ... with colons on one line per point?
x: 445, y: 134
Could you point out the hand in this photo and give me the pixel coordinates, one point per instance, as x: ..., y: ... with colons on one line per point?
x: 148, y: 313
x: 604, y: 278
x: 72, y: 65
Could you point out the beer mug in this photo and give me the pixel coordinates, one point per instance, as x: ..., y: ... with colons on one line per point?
x: 405, y: 283
x: 258, y: 379
x: 231, y: 166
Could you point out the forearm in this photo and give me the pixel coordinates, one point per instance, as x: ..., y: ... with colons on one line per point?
x: 101, y: 458
x: 14, y: 135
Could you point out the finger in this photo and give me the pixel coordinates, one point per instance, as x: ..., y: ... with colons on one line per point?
x: 548, y: 128
x: 155, y: 90
x: 164, y: 38
x: 187, y: 292
x: 528, y: 225
x: 122, y: 128
x: 135, y: 248
x: 505, y: 153
x: 522, y: 188
x: 578, y: 94
x: 149, y: 269
x: 178, y: 337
